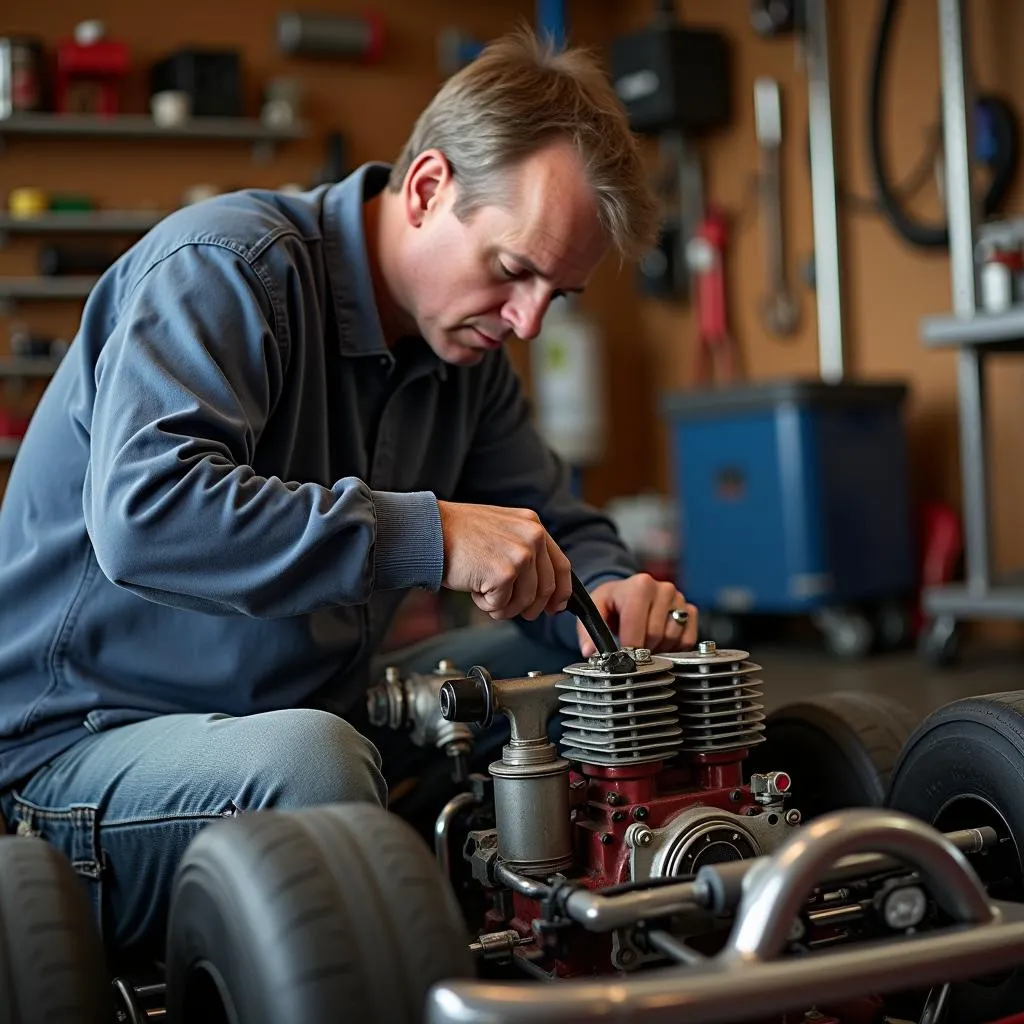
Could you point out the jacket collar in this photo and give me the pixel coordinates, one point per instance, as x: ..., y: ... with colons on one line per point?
x: 348, y: 266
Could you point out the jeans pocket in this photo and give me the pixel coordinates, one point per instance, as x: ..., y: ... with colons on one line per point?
x: 74, y: 831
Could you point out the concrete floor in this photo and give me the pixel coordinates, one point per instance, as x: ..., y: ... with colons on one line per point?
x: 790, y: 672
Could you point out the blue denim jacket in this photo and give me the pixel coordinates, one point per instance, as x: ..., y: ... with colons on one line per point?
x: 230, y: 482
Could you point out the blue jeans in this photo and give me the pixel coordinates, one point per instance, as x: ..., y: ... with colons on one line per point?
x: 124, y: 804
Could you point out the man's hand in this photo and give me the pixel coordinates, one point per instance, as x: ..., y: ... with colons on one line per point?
x: 637, y: 611
x: 505, y: 559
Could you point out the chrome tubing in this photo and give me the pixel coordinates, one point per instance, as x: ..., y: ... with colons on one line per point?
x: 776, y: 890
x: 529, y: 887
x: 987, y: 937
x: 599, y: 913
x: 443, y: 826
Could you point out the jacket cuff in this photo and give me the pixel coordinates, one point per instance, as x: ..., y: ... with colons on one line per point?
x: 408, y: 550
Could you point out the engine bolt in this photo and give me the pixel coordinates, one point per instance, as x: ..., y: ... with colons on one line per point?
x: 736, y: 796
x: 793, y: 816
x: 445, y: 665
x: 606, y: 838
x: 641, y: 655
x: 614, y: 799
x: 640, y: 813
x: 707, y: 647
x: 618, y: 815
x: 639, y: 835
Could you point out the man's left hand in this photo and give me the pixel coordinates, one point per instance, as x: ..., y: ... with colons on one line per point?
x: 637, y: 611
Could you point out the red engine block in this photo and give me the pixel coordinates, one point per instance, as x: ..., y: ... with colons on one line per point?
x: 606, y: 801
x: 609, y: 800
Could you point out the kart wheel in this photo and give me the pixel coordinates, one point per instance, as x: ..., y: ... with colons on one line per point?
x: 52, y: 967
x: 838, y: 749
x: 963, y: 767
x: 330, y: 913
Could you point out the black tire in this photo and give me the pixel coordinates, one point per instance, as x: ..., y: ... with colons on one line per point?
x: 52, y: 968
x: 839, y: 749
x: 309, y: 916
x: 965, y: 764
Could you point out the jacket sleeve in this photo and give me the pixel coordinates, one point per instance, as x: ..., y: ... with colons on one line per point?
x: 509, y: 464
x: 185, y: 384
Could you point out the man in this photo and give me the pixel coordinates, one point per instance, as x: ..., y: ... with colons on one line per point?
x: 280, y: 414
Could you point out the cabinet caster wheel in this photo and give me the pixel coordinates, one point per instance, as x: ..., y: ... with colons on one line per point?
x: 939, y: 643
x: 848, y: 634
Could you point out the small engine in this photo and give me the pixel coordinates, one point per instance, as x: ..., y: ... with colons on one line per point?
x: 648, y: 783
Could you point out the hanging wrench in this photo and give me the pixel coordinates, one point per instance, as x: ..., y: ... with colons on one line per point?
x: 778, y: 308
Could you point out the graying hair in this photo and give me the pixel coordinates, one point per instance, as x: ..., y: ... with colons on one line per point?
x: 518, y: 96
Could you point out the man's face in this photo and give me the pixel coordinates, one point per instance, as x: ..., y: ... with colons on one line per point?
x: 470, y: 285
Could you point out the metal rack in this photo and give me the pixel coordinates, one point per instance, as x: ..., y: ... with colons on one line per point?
x: 86, y: 222
x: 139, y: 126
x: 263, y: 138
x: 76, y: 287
x: 975, y: 335
x: 24, y: 368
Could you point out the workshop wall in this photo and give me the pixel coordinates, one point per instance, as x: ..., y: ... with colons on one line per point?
x: 649, y: 344
x: 374, y: 105
x: 888, y: 285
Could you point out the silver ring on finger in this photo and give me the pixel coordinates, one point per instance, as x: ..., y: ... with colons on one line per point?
x: 680, y: 616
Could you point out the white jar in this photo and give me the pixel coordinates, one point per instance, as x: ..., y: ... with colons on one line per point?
x: 996, y: 286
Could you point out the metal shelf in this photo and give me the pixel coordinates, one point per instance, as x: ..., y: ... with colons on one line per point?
x: 13, y: 288
x: 22, y: 367
x: 950, y: 330
x: 1002, y: 598
x: 86, y: 222
x: 974, y: 334
x: 8, y: 448
x: 140, y: 126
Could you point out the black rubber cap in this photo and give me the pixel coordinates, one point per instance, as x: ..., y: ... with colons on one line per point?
x: 467, y: 699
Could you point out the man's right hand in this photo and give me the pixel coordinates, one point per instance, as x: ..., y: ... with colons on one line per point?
x: 505, y: 559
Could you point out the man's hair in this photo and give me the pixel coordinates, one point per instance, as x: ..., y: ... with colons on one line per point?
x: 518, y: 96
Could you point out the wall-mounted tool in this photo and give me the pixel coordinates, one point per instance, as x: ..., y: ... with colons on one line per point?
x: 715, y: 354
x: 307, y: 34
x: 674, y: 82
x: 779, y: 310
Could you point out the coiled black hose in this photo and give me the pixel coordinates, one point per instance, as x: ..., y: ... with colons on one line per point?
x: 1006, y: 157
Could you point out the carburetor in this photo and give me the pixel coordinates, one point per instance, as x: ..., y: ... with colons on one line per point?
x: 411, y: 705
